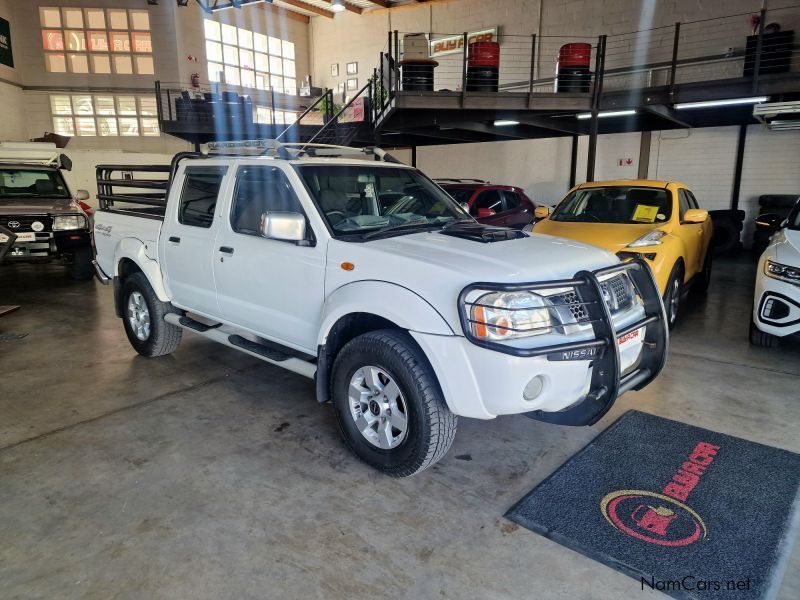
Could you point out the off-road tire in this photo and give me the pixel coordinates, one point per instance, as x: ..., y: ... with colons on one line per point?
x: 81, y: 268
x: 164, y: 337
x: 431, y: 425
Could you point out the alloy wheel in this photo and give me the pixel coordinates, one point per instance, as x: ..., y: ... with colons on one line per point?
x: 139, y: 316
x: 378, y: 408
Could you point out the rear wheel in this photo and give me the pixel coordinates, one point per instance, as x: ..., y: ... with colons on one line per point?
x: 388, y: 403
x: 81, y: 268
x: 672, y: 295
x: 143, y: 318
x: 762, y: 338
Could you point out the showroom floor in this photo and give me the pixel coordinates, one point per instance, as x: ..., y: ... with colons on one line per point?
x: 209, y: 474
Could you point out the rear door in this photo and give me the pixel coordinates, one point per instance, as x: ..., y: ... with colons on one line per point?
x: 271, y: 287
x: 517, y: 214
x: 186, y: 245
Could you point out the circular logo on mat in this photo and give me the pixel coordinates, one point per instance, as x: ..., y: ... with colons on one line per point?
x: 653, y: 518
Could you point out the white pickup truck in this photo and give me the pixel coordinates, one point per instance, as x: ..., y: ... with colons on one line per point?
x: 345, y: 266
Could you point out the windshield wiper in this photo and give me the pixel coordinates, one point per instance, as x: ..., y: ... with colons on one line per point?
x: 400, y: 227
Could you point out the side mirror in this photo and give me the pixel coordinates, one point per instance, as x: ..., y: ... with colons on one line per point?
x: 465, y: 206
x: 81, y: 195
x: 695, y: 215
x: 285, y: 226
x: 769, y: 222
x: 541, y: 212
x: 64, y: 162
x: 485, y: 212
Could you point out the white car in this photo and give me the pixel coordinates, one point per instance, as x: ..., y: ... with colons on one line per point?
x: 776, y: 306
x: 366, y: 276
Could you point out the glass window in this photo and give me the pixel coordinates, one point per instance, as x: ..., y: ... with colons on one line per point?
x: 126, y: 105
x: 98, y: 41
x: 52, y: 40
x: 95, y: 18
x: 72, y: 18
x: 246, y: 59
x: 60, y: 105
x: 214, y: 51
x: 212, y: 30
x: 142, y: 42
x: 78, y: 63
x: 275, y: 65
x: 150, y: 127
x: 56, y: 63
x: 198, y: 200
x: 683, y: 202
x: 147, y: 106
x: 104, y: 105
x: 229, y: 34
x: 618, y: 204
x: 31, y: 183
x: 230, y: 55
x: 140, y: 19
x: 118, y: 19
x: 50, y: 17
x: 82, y: 105
x: 263, y: 115
x: 76, y: 41
x: 123, y: 65
x: 274, y: 46
x: 64, y: 125
x: 120, y: 42
x: 259, y: 190
x: 260, y: 42
x: 488, y: 200
x: 248, y: 78
x: 245, y: 39
x: 214, y: 70
x: 692, y: 200
x: 107, y: 126
x: 144, y: 65
x: 129, y: 127
x: 262, y: 62
x: 85, y: 126
x: 232, y: 75
x: 288, y: 49
x: 101, y: 63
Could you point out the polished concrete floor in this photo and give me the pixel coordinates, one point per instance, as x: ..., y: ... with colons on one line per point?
x: 208, y: 474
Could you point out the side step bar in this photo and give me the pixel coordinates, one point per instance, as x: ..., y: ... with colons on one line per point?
x: 275, y: 357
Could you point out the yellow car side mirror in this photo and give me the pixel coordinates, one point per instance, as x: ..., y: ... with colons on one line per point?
x: 541, y: 212
x: 695, y: 215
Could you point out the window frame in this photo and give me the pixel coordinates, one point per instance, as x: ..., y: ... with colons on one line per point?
x: 222, y: 170
x: 284, y: 176
x: 144, y: 120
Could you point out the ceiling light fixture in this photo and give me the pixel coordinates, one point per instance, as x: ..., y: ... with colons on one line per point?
x: 713, y: 103
x: 505, y: 123
x: 337, y: 6
x: 608, y: 113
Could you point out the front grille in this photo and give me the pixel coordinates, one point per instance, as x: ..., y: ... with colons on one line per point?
x: 573, y: 302
x: 617, y: 293
x: 25, y: 222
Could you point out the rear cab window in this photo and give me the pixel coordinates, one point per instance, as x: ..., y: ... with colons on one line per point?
x: 198, y: 200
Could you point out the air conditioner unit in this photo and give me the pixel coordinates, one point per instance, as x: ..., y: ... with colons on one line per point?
x: 778, y: 116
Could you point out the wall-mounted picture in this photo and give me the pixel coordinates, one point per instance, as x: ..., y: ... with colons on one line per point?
x: 352, y: 84
x: 340, y: 86
x: 352, y: 68
x: 335, y: 70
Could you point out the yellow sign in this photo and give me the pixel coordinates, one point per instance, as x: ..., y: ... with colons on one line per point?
x: 645, y: 214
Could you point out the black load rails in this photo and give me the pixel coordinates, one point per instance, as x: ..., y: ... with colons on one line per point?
x: 607, y: 383
x: 138, y: 190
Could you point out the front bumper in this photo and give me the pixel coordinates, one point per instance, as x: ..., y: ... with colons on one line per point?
x: 47, y: 245
x: 776, y: 306
x: 580, y: 380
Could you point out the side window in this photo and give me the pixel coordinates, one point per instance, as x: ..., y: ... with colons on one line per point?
x: 683, y: 199
x: 692, y: 200
x: 512, y: 200
x: 199, y: 195
x: 489, y: 199
x: 260, y: 189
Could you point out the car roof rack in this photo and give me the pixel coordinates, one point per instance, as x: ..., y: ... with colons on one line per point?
x: 293, y: 150
x: 456, y: 180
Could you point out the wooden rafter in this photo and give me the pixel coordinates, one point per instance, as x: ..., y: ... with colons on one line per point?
x: 309, y: 7
x: 381, y: 3
x: 350, y: 7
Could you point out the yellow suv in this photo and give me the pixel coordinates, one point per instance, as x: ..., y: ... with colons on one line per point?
x: 659, y: 221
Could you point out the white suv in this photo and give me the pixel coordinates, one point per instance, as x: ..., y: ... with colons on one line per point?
x: 776, y: 306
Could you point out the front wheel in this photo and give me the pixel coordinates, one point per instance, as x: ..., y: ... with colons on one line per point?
x: 388, y: 404
x: 762, y: 338
x: 81, y: 268
x: 143, y: 317
x: 672, y: 295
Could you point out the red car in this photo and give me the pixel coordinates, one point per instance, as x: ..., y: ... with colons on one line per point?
x: 503, y: 205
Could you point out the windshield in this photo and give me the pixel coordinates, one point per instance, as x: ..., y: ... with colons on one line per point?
x: 794, y: 217
x: 31, y: 183
x: 621, y: 204
x: 358, y: 200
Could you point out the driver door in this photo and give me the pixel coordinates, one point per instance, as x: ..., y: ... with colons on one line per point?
x: 271, y: 287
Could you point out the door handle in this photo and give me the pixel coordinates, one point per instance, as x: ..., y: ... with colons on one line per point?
x: 175, y: 240
x: 226, y: 249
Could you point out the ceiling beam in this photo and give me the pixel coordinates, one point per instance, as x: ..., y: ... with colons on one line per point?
x: 666, y: 112
x: 381, y: 3
x: 350, y: 7
x: 279, y: 11
x: 308, y: 7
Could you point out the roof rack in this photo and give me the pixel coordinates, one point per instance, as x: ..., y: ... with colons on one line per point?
x: 455, y: 180
x: 292, y: 150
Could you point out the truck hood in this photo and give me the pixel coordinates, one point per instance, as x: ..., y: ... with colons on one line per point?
x: 37, y: 206
x: 437, y: 267
x: 610, y: 236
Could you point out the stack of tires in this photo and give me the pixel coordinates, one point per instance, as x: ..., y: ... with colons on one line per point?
x: 483, y: 66
x: 573, y: 73
x: 727, y: 230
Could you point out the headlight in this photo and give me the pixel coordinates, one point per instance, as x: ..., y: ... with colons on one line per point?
x: 652, y: 238
x: 63, y: 223
x: 510, y: 315
x: 783, y: 272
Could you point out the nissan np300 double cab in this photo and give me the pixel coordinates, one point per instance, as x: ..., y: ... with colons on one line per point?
x: 366, y: 276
